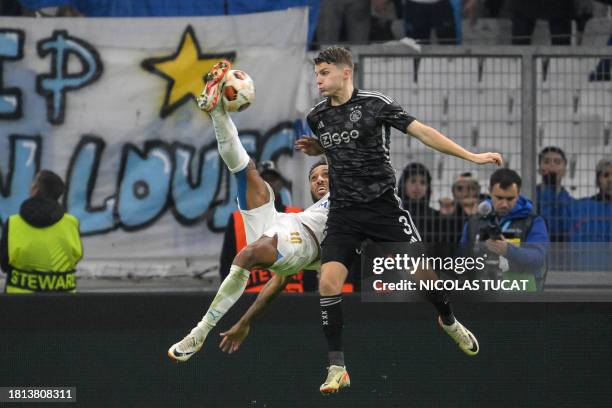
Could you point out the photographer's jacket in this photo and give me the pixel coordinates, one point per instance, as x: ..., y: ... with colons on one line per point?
x: 40, y: 248
x: 522, y: 226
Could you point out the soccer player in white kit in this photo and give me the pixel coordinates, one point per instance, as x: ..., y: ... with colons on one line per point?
x: 282, y: 243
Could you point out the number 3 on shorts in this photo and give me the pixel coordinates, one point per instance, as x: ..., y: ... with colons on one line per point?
x: 404, y: 220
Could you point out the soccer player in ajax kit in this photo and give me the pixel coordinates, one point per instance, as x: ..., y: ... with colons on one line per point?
x: 352, y: 129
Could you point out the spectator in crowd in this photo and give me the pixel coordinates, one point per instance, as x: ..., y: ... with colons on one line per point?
x: 383, y: 17
x: 41, y: 245
x: 558, y: 13
x: 423, y: 16
x: 603, y: 176
x: 440, y: 233
x: 551, y: 197
x: 589, y: 220
x: 520, y: 250
x: 235, y: 236
x: 354, y: 16
x: 454, y: 211
x: 466, y: 194
x: 414, y: 188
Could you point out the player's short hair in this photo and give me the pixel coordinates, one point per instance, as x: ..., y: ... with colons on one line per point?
x: 551, y: 149
x: 320, y: 162
x: 49, y: 185
x: 505, y: 178
x: 336, y: 56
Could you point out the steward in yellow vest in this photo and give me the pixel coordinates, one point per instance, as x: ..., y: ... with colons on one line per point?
x: 41, y: 245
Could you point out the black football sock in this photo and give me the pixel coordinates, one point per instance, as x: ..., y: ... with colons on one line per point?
x: 442, y: 304
x: 331, y: 320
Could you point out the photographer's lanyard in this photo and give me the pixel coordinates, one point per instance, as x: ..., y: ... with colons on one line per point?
x: 506, y: 225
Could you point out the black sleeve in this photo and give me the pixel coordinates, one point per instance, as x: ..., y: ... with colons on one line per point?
x: 4, y: 257
x: 311, y: 124
x: 228, y: 250
x: 394, y: 115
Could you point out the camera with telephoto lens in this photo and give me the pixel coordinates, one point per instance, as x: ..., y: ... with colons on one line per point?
x: 491, y: 230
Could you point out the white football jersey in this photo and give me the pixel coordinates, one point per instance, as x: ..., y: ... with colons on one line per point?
x: 315, y: 217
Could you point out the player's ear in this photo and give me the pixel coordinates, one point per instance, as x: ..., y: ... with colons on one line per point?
x: 346, y: 72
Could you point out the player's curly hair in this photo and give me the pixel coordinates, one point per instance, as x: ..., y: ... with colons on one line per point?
x: 336, y: 56
x: 320, y: 162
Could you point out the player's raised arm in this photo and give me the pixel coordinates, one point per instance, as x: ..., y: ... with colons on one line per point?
x: 436, y: 140
x: 233, y: 338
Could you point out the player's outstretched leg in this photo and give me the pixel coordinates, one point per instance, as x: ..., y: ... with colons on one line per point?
x: 462, y: 336
x: 333, y: 275
x: 260, y: 253
x: 446, y: 319
x: 230, y: 148
x: 229, y: 292
x: 252, y: 189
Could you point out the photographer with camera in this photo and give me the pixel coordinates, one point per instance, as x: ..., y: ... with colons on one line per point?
x: 507, y: 232
x: 552, y: 198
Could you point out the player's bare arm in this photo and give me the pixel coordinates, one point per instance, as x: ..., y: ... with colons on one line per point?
x: 233, y: 338
x: 436, y: 140
x: 257, y: 193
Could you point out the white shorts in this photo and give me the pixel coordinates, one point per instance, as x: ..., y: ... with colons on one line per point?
x: 296, y: 247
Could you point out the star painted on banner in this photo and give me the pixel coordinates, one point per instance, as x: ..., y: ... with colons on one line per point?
x: 184, y: 71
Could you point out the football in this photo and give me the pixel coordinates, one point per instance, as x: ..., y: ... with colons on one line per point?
x: 238, y: 91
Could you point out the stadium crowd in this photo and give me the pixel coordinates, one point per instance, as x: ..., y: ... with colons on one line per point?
x: 585, y: 221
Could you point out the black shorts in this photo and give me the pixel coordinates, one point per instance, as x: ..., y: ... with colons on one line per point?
x: 380, y: 220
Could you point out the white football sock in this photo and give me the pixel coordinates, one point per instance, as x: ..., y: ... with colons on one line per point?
x: 229, y: 292
x: 230, y: 148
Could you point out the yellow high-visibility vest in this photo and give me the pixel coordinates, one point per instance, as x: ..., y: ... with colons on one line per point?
x: 43, y: 259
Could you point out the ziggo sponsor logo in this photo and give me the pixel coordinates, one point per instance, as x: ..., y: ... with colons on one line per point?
x: 330, y: 139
